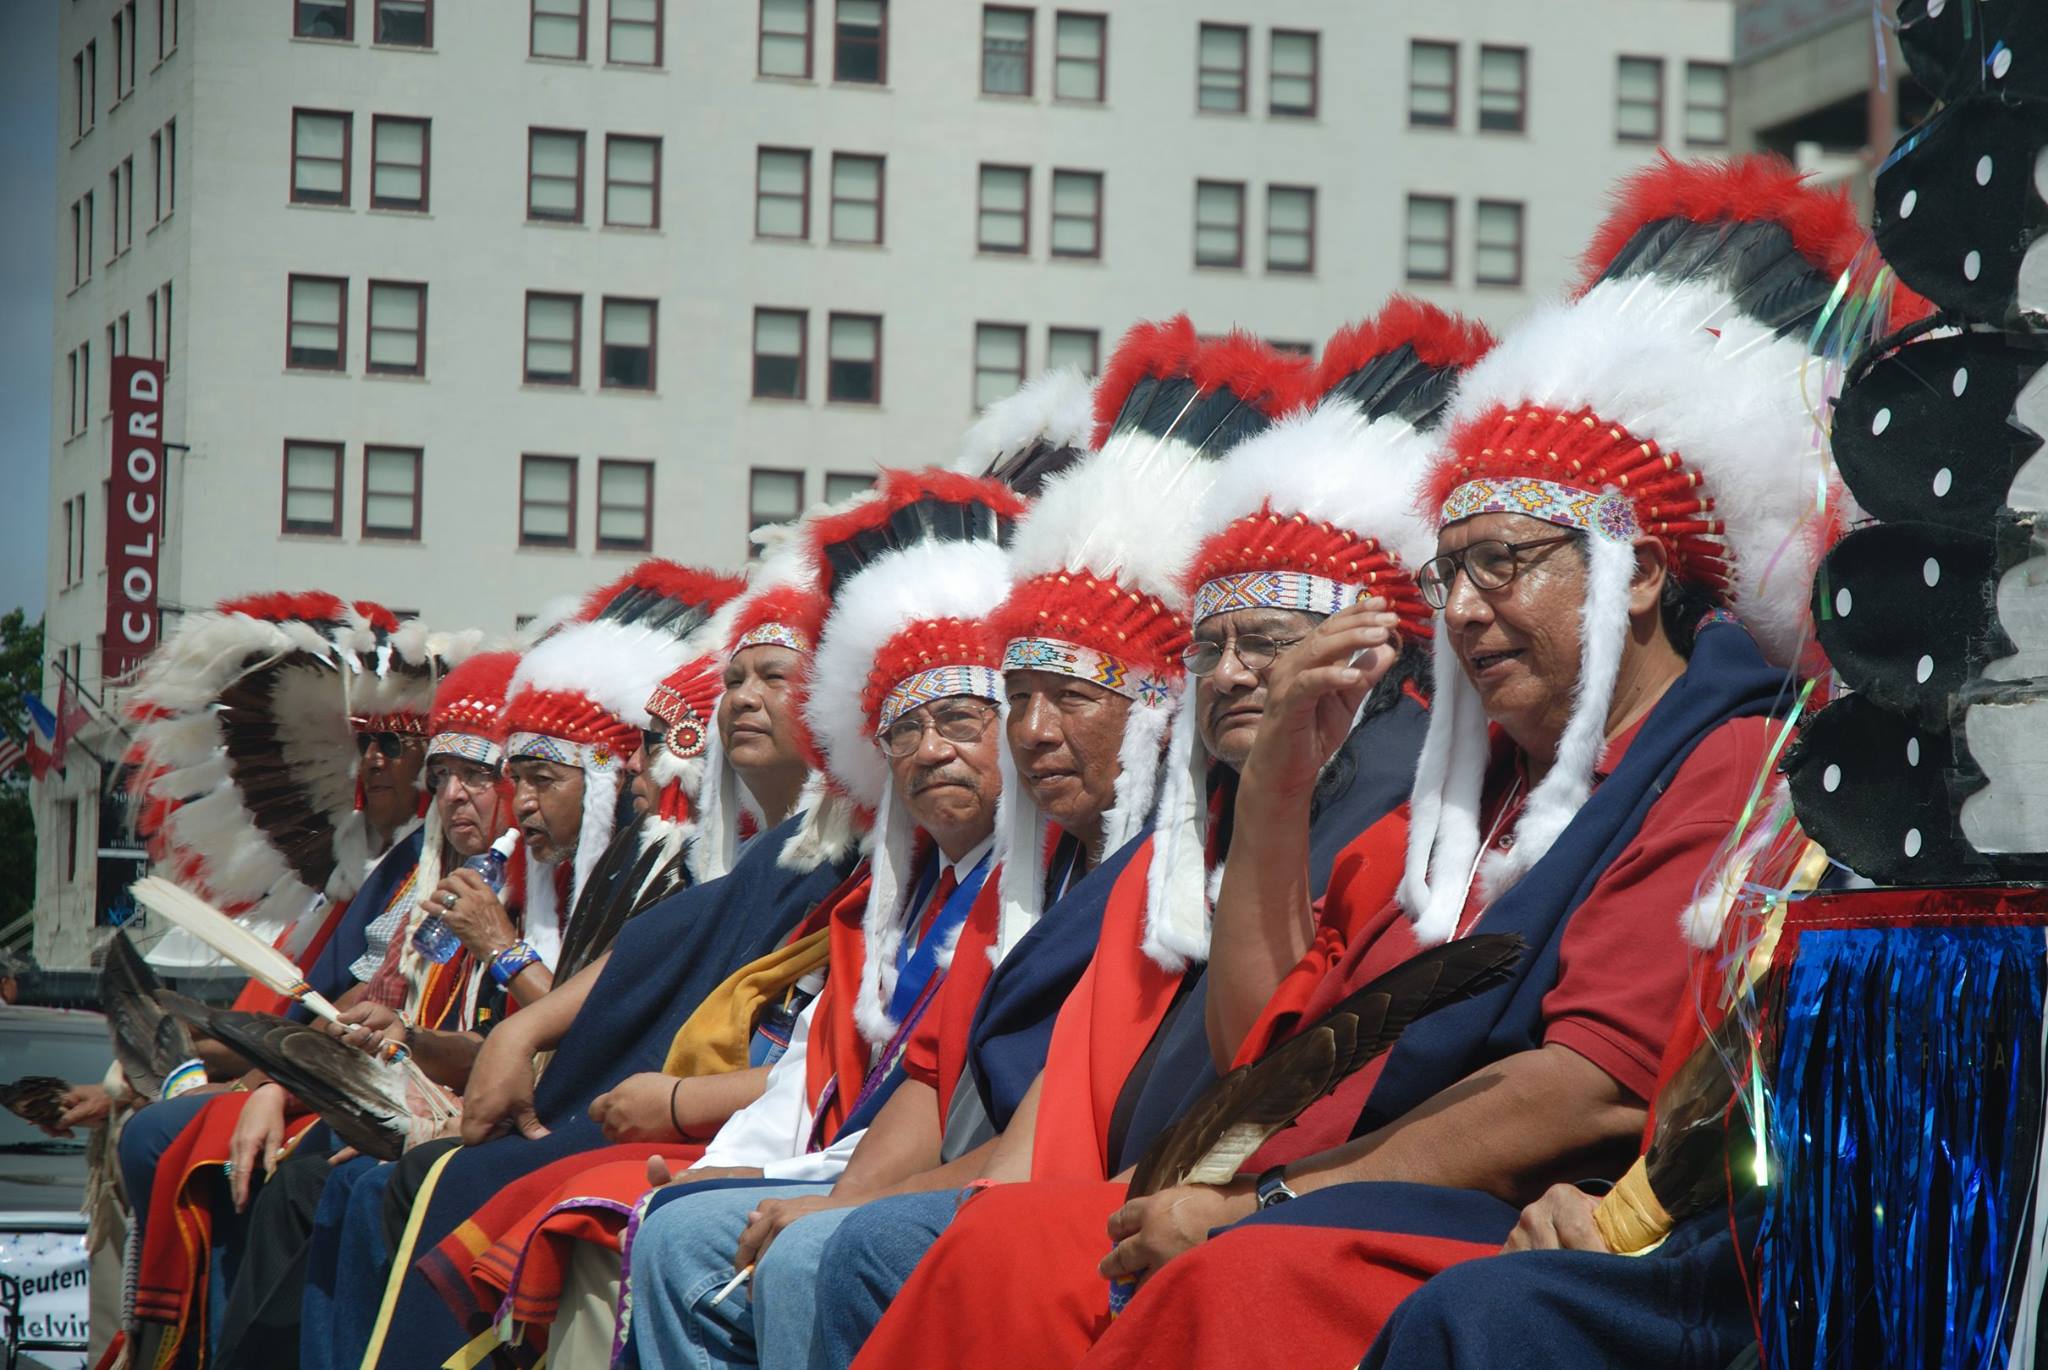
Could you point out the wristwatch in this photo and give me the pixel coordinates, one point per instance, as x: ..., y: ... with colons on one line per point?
x: 1272, y: 1188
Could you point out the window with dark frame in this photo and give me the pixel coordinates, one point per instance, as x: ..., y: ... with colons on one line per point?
x: 626, y: 345
x: 554, y: 338
x: 166, y: 28
x: 857, y: 195
x: 547, y: 501
x: 625, y: 505
x: 1003, y: 209
x: 1706, y: 104
x: 81, y: 102
x: 114, y: 218
x: 1006, y: 42
x: 853, y: 359
x: 397, y: 328
x: 134, y: 39
x: 843, y: 485
x: 1432, y: 84
x: 1294, y: 87
x: 399, y: 157
x: 1076, y: 213
x: 632, y: 181
x: 633, y: 33
x: 1219, y: 223
x: 1291, y: 228
x: 860, y: 42
x: 1428, y: 238
x: 1076, y: 347
x: 156, y: 176
x: 1497, y: 243
x: 998, y: 362
x: 170, y: 181
x: 167, y: 327
x: 785, y: 45
x: 1639, y: 99
x: 320, y: 156
x: 120, y: 55
x: 554, y: 175
x: 780, y: 348
x: 324, y: 19
x: 1503, y: 90
x: 317, y: 313
x: 559, y: 29
x: 1223, y: 68
x: 403, y: 23
x: 773, y: 496
x: 312, y: 487
x: 391, y: 493
x: 127, y: 203
x: 1080, y: 51
x: 782, y: 192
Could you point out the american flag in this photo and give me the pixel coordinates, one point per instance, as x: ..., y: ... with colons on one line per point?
x: 11, y: 754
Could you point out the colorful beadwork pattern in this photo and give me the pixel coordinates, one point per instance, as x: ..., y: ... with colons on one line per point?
x: 592, y: 756
x: 1604, y: 513
x: 684, y: 730
x: 1296, y: 590
x: 773, y: 635
x: 940, y: 682
x: 1085, y: 663
x: 468, y: 746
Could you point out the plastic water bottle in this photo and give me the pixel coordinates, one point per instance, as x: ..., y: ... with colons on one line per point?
x: 434, y: 939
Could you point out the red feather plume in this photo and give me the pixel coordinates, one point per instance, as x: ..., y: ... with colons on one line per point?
x: 1154, y: 348
x: 898, y: 489
x: 376, y: 615
x: 671, y: 580
x: 1439, y: 338
x: 280, y: 606
x: 1255, y: 371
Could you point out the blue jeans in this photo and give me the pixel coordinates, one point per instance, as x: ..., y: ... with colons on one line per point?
x: 871, y: 1256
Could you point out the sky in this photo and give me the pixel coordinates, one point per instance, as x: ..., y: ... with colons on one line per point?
x: 28, y: 269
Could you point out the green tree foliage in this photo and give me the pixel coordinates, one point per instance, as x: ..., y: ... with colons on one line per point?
x: 21, y: 670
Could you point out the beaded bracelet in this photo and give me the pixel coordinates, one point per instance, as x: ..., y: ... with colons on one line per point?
x: 507, y: 964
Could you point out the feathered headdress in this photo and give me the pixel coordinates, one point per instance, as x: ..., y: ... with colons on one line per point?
x: 1024, y: 439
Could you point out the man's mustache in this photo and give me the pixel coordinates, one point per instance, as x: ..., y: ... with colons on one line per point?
x: 924, y: 780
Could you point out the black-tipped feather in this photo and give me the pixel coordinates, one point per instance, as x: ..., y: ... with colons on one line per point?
x: 1027, y: 471
x: 37, y: 1098
x: 148, y: 1042
x: 1239, y: 1112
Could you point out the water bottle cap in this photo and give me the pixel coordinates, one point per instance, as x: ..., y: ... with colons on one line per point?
x: 507, y: 844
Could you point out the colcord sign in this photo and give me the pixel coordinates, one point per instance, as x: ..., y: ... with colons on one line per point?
x: 135, y: 515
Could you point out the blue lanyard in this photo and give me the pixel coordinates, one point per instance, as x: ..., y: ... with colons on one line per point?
x: 916, y: 961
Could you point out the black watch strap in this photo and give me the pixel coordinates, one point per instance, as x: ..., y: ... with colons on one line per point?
x: 1272, y: 1188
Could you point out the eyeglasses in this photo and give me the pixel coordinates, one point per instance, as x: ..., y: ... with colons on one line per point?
x: 960, y: 724
x: 471, y: 776
x: 1254, y: 652
x: 1491, y: 563
x: 390, y: 745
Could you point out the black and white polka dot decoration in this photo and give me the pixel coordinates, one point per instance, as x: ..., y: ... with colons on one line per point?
x: 1958, y: 47
x: 1960, y: 205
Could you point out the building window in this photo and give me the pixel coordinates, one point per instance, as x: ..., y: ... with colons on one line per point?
x: 1004, y: 215
x: 312, y: 487
x: 156, y: 176
x: 860, y: 42
x: 1295, y: 84
x: 633, y: 33
x: 324, y: 19
x: 557, y: 29
x: 856, y: 198
x: 1503, y: 90
x: 1219, y: 223
x: 1076, y: 347
x: 1706, y: 104
x: 1290, y: 228
x: 779, y: 354
x: 632, y: 182
x: 998, y: 362
x: 81, y: 240
x: 81, y: 94
x: 785, y: 48
x: 1224, y: 60
x: 1076, y: 213
x: 166, y: 28
x: 554, y: 175
x: 554, y: 339
x: 320, y: 156
x: 547, y: 501
x: 843, y: 485
x: 773, y: 497
x: 405, y: 23
x: 782, y: 193
x: 625, y: 505
x: 853, y: 359
x: 1429, y: 238
x: 1639, y: 99
x: 398, y: 328
x: 1080, y: 49
x: 398, y: 163
x: 1432, y: 85
x: 168, y: 186
x: 149, y: 303
x: 1006, y: 50
x: 166, y: 355
x: 121, y: 199
x: 318, y: 310
x: 121, y: 77
x: 391, y: 492
x: 1497, y: 256
x: 626, y: 352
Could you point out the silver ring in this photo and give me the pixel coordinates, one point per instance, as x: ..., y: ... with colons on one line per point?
x: 448, y: 900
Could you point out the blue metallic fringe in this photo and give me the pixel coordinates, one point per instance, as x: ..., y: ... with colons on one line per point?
x: 1903, y: 1129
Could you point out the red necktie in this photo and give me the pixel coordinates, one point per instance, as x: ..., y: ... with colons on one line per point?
x: 947, y: 884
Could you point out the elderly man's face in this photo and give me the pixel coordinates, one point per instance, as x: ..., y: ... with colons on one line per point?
x: 1519, y: 645
x: 547, y: 804
x: 1230, y: 700
x: 1065, y: 736
x: 472, y: 801
x: 639, y: 772
x: 389, y: 767
x: 950, y: 780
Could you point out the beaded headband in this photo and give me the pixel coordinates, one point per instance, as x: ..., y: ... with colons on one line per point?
x: 589, y: 756
x: 1085, y: 663
x: 773, y: 635
x: 1603, y: 513
x: 940, y: 682
x: 1296, y: 590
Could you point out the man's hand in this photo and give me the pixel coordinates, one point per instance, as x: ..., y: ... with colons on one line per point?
x: 637, y: 1109
x: 84, y: 1106
x: 1151, y: 1231
x: 499, y: 1097
x: 364, y: 1026
x: 765, y: 1223
x: 476, y: 915
x: 259, y: 1135
x: 1562, y: 1220
x: 1314, y: 690
x: 661, y: 1174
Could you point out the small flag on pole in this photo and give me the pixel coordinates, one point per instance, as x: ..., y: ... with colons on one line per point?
x: 11, y: 754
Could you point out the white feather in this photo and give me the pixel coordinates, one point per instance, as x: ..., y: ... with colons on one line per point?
x: 615, y: 665
x: 1054, y: 408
